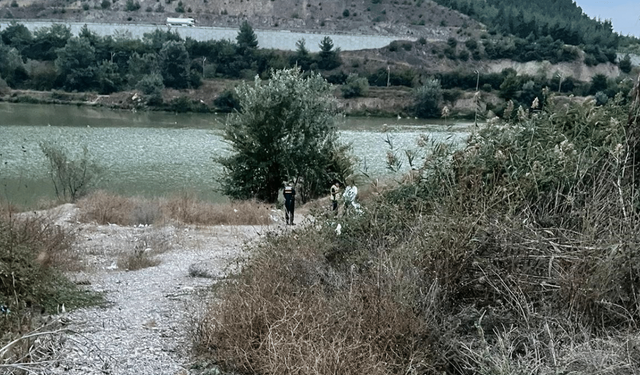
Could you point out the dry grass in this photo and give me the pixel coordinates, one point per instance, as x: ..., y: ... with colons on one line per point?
x: 33, y: 251
x: 329, y: 323
x: 143, y: 255
x: 139, y: 259
x: 105, y: 208
x: 189, y: 210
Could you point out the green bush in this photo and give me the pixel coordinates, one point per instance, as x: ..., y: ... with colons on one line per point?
x: 427, y: 99
x: 181, y: 104
x: 151, y: 85
x: 132, y: 6
x: 625, y: 64
x: 284, y: 131
x: 227, y: 101
x: 355, y: 86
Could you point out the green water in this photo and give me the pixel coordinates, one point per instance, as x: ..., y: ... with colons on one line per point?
x: 160, y: 154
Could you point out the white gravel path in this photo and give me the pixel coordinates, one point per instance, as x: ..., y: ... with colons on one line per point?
x: 144, y: 327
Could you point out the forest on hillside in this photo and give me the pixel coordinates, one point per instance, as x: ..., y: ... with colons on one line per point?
x: 559, y: 20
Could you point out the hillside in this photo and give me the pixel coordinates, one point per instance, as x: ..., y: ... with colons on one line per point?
x: 409, y: 17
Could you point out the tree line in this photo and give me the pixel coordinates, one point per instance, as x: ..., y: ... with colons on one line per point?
x: 52, y: 58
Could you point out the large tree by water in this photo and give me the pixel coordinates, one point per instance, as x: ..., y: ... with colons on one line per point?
x: 285, y: 130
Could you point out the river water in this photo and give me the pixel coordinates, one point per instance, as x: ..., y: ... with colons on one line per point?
x: 158, y: 153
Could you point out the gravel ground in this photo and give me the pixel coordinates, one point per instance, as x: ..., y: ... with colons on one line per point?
x: 144, y: 327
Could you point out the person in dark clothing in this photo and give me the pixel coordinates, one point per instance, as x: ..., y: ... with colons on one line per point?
x: 289, y: 203
x: 335, y: 195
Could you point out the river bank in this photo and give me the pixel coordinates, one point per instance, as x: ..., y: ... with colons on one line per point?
x: 380, y: 102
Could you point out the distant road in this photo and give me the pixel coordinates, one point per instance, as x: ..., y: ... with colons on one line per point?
x: 281, y: 39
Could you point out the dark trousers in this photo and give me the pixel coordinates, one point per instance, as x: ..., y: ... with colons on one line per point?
x: 334, y: 206
x: 289, y: 207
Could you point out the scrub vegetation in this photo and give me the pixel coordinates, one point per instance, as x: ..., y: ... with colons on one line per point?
x: 33, y: 254
x: 72, y: 175
x: 515, y: 254
x: 103, y: 208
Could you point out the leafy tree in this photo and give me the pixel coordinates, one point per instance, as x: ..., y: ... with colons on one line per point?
x: 151, y: 85
x: 76, y: 65
x: 132, y: 6
x: 156, y: 39
x: 510, y: 86
x: 174, y: 65
x: 109, y: 79
x: 43, y: 75
x: 91, y: 36
x: 139, y: 66
x: 328, y: 58
x: 11, y: 67
x: 598, y: 83
x: 428, y: 98
x: 285, y: 130
x: 47, y: 40
x: 17, y: 36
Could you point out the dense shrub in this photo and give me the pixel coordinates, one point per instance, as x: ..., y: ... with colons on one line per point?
x: 33, y: 251
x: 227, y: 101
x: 625, y: 64
x: 428, y: 99
x: 355, y: 86
x: 394, y: 77
x: 284, y: 131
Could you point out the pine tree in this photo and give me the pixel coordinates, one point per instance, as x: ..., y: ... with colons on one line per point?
x: 246, y: 39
